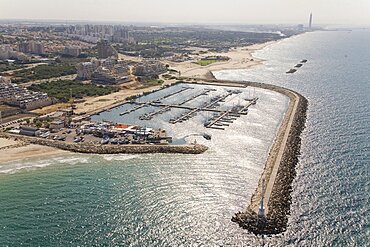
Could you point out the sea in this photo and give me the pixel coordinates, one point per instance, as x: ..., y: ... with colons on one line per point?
x: 188, y: 200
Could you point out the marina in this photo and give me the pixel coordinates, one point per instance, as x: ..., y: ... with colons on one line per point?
x: 217, y: 107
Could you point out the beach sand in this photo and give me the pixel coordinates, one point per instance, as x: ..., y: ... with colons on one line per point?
x: 240, y: 58
x: 6, y: 143
x: 10, y: 153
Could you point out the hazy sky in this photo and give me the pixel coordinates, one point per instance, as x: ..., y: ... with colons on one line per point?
x: 192, y: 11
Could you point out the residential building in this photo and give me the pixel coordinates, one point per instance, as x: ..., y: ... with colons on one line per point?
x: 32, y: 47
x: 13, y: 95
x: 73, y: 51
x: 152, y: 68
x: 105, y: 50
x: 7, y: 52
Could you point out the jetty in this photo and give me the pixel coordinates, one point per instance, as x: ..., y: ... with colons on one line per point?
x: 267, y: 213
x: 110, y: 149
x: 272, y: 197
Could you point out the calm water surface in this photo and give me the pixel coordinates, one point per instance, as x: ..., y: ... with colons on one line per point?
x: 180, y: 200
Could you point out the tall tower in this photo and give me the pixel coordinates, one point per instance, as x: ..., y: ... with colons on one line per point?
x: 310, y: 22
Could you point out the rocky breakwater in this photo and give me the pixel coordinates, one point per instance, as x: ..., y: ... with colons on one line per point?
x: 116, y: 149
x: 275, y: 184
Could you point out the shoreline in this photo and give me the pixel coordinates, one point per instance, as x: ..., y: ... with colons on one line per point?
x: 108, y: 149
x: 21, y: 151
x: 240, y: 58
x: 279, y: 170
x: 277, y: 176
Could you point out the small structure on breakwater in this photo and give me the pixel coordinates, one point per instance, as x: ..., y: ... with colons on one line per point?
x: 270, y: 204
x: 279, y: 173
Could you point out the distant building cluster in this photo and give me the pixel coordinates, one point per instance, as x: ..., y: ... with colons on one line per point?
x: 150, y: 68
x: 13, y: 95
x: 7, y: 52
x: 94, y: 33
x: 104, y: 71
x: 32, y: 47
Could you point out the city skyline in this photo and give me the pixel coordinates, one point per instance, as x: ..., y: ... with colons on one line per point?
x: 144, y: 11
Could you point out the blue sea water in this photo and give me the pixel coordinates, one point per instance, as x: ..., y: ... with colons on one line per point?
x: 180, y: 200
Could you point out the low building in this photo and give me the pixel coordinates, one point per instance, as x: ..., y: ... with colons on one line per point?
x: 104, y: 71
x: 103, y: 76
x: 85, y: 70
x: 29, y: 131
x: 13, y: 95
x: 152, y: 68
x: 57, y: 125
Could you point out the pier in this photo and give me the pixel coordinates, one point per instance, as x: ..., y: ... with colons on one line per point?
x: 157, y: 103
x: 224, y: 117
x: 245, y: 108
x: 156, y: 100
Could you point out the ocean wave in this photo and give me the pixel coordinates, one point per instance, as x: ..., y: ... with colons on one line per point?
x: 119, y: 157
x: 16, y: 167
x: 21, y: 165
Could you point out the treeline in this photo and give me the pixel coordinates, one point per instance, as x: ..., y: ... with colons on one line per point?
x: 44, y: 72
x: 62, y: 89
x: 6, y: 67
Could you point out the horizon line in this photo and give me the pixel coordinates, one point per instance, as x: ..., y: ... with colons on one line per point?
x: 75, y: 21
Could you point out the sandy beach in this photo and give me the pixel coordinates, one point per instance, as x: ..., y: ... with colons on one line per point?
x: 13, y: 150
x: 240, y: 58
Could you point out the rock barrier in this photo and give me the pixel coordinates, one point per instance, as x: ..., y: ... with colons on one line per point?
x: 276, y: 220
x: 279, y: 202
x: 116, y: 149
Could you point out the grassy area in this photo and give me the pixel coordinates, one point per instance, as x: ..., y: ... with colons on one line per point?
x: 62, y: 89
x: 44, y: 72
x: 52, y: 108
x: 7, y: 67
x: 150, y: 83
x: 103, y: 100
x: 206, y: 62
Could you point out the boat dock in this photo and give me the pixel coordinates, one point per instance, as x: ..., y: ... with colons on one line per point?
x: 141, y: 105
x: 245, y: 108
x: 222, y: 118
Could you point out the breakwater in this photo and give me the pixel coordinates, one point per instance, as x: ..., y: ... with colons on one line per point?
x: 275, y: 184
x: 113, y: 149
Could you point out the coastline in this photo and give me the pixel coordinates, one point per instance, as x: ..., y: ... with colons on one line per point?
x: 279, y: 171
x: 19, y: 150
x: 240, y: 58
x: 52, y: 147
x: 274, y: 184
